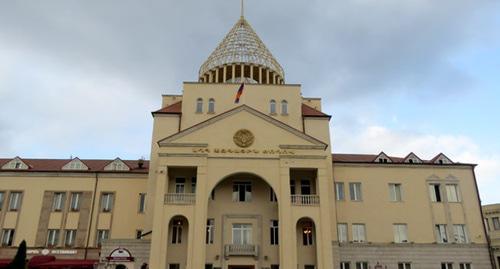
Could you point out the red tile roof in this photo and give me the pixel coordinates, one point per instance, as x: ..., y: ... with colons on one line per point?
x: 308, y: 111
x: 171, y: 109
x: 370, y: 158
x: 55, y: 165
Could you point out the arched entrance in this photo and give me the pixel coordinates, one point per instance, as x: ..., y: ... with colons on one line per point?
x: 177, y: 245
x: 306, y: 243
x: 242, y: 223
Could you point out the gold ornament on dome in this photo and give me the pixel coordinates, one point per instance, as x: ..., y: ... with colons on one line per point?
x: 243, y: 138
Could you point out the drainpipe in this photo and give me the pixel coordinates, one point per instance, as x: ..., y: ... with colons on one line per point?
x: 94, y: 196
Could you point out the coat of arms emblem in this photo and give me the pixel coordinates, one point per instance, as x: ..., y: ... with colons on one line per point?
x: 243, y: 138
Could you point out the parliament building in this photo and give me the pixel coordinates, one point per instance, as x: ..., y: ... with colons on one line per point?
x: 242, y: 176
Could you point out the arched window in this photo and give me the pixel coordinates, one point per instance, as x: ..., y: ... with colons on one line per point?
x: 272, y: 107
x: 284, y: 107
x: 211, y: 105
x: 199, y: 105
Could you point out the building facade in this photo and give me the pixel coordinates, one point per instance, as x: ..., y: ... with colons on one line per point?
x: 491, y: 214
x: 242, y: 175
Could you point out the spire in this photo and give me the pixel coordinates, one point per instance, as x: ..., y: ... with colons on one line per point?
x: 242, y: 9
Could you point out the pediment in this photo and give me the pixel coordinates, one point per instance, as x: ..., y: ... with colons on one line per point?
x: 117, y: 165
x: 75, y: 164
x: 382, y: 158
x: 220, y: 131
x: 412, y: 158
x: 15, y: 163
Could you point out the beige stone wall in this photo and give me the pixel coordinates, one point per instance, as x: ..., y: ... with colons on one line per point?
x: 489, y: 213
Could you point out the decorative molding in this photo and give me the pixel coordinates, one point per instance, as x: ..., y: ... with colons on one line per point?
x: 312, y: 147
x: 185, y: 145
x: 310, y: 157
x: 182, y: 155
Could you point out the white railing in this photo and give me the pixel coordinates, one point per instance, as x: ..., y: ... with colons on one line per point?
x: 241, y: 250
x: 311, y: 200
x: 180, y: 198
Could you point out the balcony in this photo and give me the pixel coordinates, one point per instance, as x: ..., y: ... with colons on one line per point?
x: 305, y: 200
x: 241, y: 250
x: 180, y: 198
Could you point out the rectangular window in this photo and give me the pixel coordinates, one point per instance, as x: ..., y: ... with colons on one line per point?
x: 345, y: 265
x: 358, y: 233
x: 242, y: 234
x: 174, y: 266
x: 274, y: 232
x: 339, y: 191
x: 138, y: 234
x: 242, y: 192
x: 355, y: 191
x: 177, y: 232
x: 342, y: 232
x: 307, y: 234
x: 210, y: 231
x: 453, y: 193
x: 58, y: 201
x: 441, y: 234
x: 292, y: 187
x: 309, y: 267
x: 275, y: 266
x: 53, y: 238
x: 142, y: 202
x: 496, y: 223
x: 395, y: 192
x: 435, y: 192
x: 180, y: 184
x: 446, y: 265
x: 101, y: 236
x: 272, y: 195
x: 2, y: 197
x: 7, y: 237
x: 460, y: 233
x: 106, y: 202
x: 465, y: 266
x: 69, y: 238
x: 75, y: 201
x: 193, y: 184
x: 305, y: 187
x: 15, y: 201
x: 209, y: 266
x: 400, y: 233
x: 404, y: 265
x: 361, y: 265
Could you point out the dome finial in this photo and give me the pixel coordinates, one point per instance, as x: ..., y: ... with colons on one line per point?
x: 242, y: 9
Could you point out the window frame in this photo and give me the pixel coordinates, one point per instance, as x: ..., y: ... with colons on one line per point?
x: 242, y: 191
x: 441, y: 232
x: 211, y: 106
x: 18, y: 200
x: 339, y: 191
x: 356, y: 233
x: 142, y: 203
x: 355, y: 191
x: 395, y: 192
x: 177, y: 227
x: 460, y: 228
x: 58, y: 201
x: 71, y: 232
x: 274, y: 232
x: 53, y: 238
x: 108, y: 204
x: 102, y: 234
x: 72, y: 206
x: 345, y: 237
x: 400, y: 233
x: 272, y: 107
x: 199, y: 105
x: 453, y: 193
x: 210, y: 232
x: 244, y: 232
x: 9, y: 240
x: 284, y: 107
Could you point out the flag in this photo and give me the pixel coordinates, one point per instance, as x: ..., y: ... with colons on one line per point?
x: 239, y: 93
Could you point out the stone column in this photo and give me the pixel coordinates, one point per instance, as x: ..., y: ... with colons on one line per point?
x: 287, y: 233
x: 158, y: 254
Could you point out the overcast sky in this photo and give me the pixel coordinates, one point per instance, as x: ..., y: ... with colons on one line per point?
x: 80, y: 77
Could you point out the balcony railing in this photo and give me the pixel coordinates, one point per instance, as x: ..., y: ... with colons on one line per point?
x: 241, y: 250
x: 180, y: 198
x: 306, y: 200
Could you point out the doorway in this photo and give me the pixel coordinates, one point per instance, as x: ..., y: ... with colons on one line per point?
x: 241, y: 267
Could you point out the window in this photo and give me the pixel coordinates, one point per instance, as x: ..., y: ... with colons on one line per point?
x: 209, y: 238
x: 358, y: 233
x: 307, y: 234
x: 177, y: 232
x: 361, y: 265
x: 446, y: 265
x: 142, y: 202
x: 284, y: 107
x: 345, y: 265
x: 69, y: 238
x: 272, y: 107
x: 292, y: 187
x: 305, y: 187
x: 15, y: 201
x: 404, y: 265
x: 242, y: 192
x: 272, y: 195
x: 58, y: 201
x: 441, y: 234
x: 53, y: 238
x: 395, y: 192
x: 75, y: 201
x: 138, y: 234
x: 496, y: 223
x: 487, y: 224
x: 180, y: 184
x: 355, y: 191
x: 342, y: 232
x: 309, y: 266
x: 400, y: 233
x: 460, y: 233
x: 101, y: 236
x: 435, y: 192
x: 199, y: 105
x: 7, y: 237
x: 465, y: 266
x: 2, y: 196
x: 209, y: 266
x: 452, y: 192
x: 339, y: 191
x: 242, y: 234
x: 106, y: 202
x: 211, y: 105
x: 174, y: 266
x: 193, y: 185
x: 275, y: 266
x: 274, y: 232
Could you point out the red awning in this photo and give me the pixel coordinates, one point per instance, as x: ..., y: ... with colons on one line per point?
x: 4, y: 263
x: 73, y: 264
